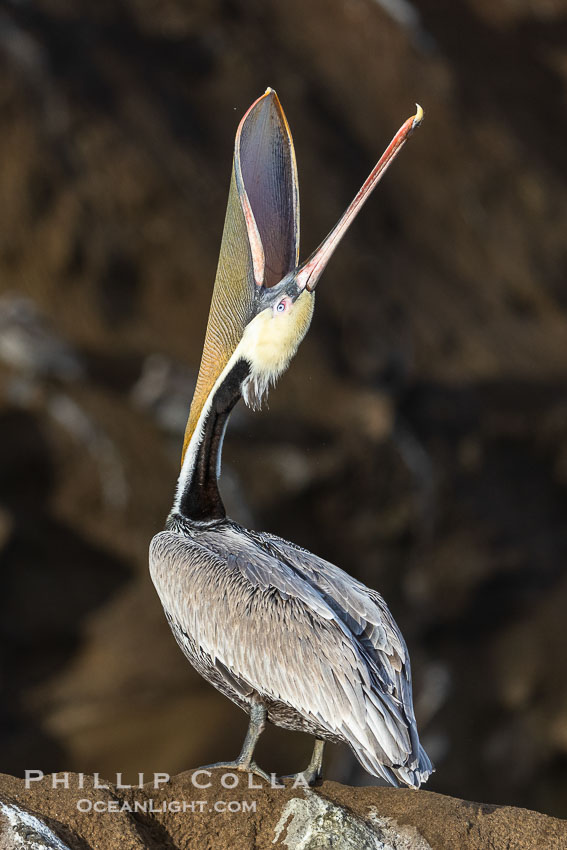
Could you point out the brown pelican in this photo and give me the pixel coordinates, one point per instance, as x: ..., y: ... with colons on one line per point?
x: 287, y: 636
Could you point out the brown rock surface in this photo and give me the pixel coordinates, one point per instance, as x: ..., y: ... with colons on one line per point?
x: 332, y: 815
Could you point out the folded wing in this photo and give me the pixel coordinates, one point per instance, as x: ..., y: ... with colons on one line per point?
x: 276, y: 632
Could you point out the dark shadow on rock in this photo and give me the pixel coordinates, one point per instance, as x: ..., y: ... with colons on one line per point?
x: 51, y: 579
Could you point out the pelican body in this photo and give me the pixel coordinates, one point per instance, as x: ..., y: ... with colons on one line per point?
x: 287, y: 636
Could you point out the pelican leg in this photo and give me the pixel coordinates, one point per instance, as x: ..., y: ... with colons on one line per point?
x: 255, y: 728
x: 245, y: 762
x: 314, y: 769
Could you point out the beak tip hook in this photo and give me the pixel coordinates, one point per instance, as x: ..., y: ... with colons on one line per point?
x: 418, y: 117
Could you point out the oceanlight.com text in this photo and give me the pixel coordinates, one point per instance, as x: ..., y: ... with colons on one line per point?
x: 162, y: 806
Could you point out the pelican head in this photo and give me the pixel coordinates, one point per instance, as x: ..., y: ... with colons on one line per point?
x: 263, y: 297
x: 282, y: 309
x: 273, y: 335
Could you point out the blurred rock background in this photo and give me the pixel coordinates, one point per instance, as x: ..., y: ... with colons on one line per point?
x: 419, y: 439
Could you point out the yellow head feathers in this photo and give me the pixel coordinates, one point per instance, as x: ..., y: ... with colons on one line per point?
x: 270, y: 341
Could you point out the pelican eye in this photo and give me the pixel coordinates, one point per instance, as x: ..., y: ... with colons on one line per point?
x: 281, y: 307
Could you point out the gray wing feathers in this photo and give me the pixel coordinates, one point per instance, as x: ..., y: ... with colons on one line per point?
x: 383, y: 645
x: 288, y: 631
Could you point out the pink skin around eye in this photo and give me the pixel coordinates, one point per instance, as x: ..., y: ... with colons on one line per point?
x: 284, y: 303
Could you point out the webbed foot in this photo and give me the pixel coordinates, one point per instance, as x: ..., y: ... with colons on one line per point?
x: 241, y: 766
x: 303, y: 779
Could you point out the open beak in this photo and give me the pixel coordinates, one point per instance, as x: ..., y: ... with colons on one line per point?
x: 309, y: 273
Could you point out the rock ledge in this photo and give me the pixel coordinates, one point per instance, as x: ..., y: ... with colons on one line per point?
x: 194, y: 810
